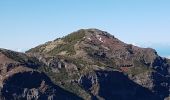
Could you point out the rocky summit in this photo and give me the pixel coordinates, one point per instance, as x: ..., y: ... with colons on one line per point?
x: 88, y: 64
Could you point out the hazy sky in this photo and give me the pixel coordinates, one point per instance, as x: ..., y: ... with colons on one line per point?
x: 27, y: 23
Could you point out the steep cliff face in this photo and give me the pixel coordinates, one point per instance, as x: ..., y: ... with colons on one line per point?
x: 87, y: 64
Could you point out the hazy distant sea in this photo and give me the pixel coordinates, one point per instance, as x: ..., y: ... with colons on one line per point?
x: 163, y: 51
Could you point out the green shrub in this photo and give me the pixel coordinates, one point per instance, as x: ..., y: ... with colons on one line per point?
x: 15, y: 56
x: 38, y: 49
x: 138, y: 68
x: 74, y: 37
x: 55, y: 77
x: 75, y: 88
x: 81, y: 64
x: 70, y: 41
x: 61, y: 80
x: 69, y: 48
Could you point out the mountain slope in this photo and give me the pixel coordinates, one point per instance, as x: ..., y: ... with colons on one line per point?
x: 88, y: 64
x: 88, y: 50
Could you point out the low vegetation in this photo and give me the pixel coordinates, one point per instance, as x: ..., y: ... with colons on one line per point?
x: 138, y: 68
x: 56, y: 77
x: 22, y: 58
x: 63, y: 80
x: 68, y: 48
x: 75, y: 88
x: 74, y: 37
x: 38, y: 49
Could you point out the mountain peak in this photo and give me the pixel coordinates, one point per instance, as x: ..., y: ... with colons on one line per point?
x: 92, y: 34
x: 89, y: 36
x: 86, y: 38
x: 94, y: 31
x: 94, y: 42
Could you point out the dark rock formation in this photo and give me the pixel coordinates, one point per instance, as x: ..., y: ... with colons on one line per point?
x: 33, y: 86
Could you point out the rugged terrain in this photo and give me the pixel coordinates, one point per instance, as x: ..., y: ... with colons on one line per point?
x: 88, y: 64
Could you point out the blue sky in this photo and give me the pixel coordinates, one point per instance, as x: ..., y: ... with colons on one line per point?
x: 28, y: 23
